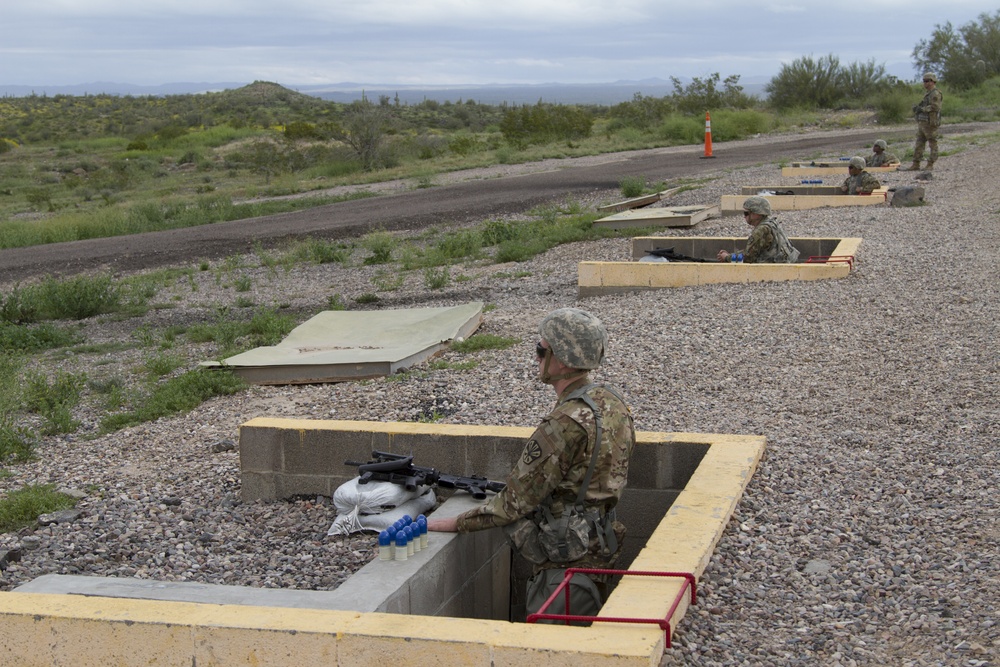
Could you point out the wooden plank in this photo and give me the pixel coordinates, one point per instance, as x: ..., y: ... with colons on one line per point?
x: 667, y: 216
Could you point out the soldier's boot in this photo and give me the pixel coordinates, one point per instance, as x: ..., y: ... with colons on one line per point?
x: 913, y: 167
x: 930, y: 166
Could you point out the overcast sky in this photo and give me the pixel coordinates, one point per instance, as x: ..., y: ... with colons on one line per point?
x: 450, y: 42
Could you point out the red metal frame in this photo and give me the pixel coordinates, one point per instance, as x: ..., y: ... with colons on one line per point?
x: 664, y: 623
x: 832, y: 259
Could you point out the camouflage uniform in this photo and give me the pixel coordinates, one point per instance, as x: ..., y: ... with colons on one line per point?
x: 882, y: 159
x: 928, y: 115
x: 863, y: 182
x: 555, y: 461
x: 768, y: 244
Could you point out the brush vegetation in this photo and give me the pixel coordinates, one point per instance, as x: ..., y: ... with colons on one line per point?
x: 80, y: 167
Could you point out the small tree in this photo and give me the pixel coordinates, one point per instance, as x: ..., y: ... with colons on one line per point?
x: 965, y: 58
x: 702, y: 95
x: 807, y: 84
x: 365, y: 127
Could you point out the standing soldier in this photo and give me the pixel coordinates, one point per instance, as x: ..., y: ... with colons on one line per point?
x: 558, y: 506
x: 928, y: 114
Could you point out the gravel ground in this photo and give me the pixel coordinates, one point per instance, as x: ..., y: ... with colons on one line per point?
x: 868, y: 535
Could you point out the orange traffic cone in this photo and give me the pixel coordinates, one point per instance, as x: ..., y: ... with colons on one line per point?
x: 708, y: 136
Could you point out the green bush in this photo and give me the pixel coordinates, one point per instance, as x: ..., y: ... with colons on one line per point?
x: 436, y: 278
x: 893, y: 107
x: 632, y: 186
x: 380, y: 244
x: 683, y: 130
x: 74, y: 299
x: 22, y: 507
x: 16, y: 442
x: 55, y: 400
x: 498, y: 231
x: 176, y: 395
x: 32, y: 338
x: 730, y: 125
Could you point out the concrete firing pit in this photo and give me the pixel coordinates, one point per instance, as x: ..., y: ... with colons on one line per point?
x: 733, y: 204
x: 682, y: 490
x: 601, y: 278
x: 829, y: 168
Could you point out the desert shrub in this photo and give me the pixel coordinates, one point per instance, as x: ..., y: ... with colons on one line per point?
x: 681, y: 130
x: 380, y: 244
x: 632, y: 186
x: 23, y: 506
x: 176, y: 395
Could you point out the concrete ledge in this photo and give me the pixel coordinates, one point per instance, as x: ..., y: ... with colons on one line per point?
x: 44, y: 629
x: 603, y: 278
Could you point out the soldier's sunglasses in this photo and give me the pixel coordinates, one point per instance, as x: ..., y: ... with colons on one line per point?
x: 540, y: 351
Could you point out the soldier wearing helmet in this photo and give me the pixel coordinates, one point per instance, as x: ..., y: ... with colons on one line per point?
x: 767, y: 242
x: 879, y: 158
x: 859, y: 182
x: 928, y: 115
x: 558, y: 506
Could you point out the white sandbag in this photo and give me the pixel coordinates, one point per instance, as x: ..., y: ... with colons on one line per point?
x: 371, y: 498
x: 374, y: 507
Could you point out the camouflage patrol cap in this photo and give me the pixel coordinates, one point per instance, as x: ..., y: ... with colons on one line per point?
x: 858, y: 162
x: 758, y: 205
x: 577, y: 338
x: 881, y: 144
x: 929, y: 76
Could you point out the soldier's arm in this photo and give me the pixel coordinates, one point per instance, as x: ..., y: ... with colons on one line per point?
x: 870, y: 184
x: 538, y: 472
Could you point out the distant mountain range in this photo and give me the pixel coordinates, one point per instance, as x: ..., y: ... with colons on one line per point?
x: 559, y: 93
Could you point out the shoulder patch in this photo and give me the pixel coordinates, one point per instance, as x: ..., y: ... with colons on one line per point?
x: 532, y: 452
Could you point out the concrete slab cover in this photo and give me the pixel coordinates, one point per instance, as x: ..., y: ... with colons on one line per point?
x: 638, y: 202
x: 667, y: 216
x: 335, y: 346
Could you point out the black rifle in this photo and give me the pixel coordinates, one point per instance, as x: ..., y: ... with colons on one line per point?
x: 668, y: 253
x: 399, y: 469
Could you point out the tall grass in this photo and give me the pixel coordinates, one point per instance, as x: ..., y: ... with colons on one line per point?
x: 16, y: 442
x: 70, y: 299
x: 147, y: 216
x: 22, y: 507
x: 176, y: 395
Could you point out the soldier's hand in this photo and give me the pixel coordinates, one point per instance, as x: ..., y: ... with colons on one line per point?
x: 449, y: 525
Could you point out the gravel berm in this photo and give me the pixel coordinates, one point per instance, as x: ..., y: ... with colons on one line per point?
x: 867, y: 536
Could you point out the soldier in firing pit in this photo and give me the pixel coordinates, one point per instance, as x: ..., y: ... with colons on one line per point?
x: 558, y: 506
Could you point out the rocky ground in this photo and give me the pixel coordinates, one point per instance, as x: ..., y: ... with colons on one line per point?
x: 868, y: 535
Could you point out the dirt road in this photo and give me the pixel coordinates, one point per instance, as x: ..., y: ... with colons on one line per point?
x: 460, y: 202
